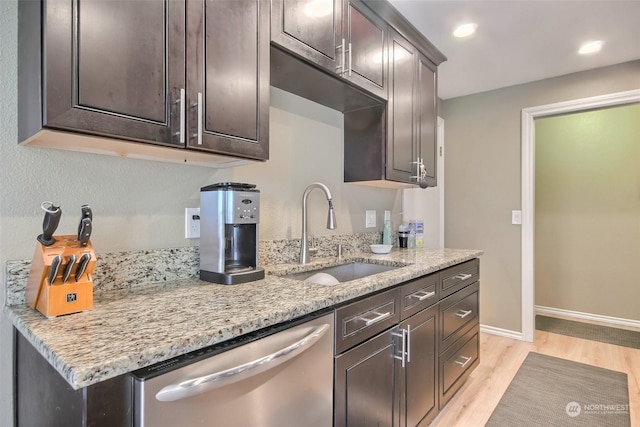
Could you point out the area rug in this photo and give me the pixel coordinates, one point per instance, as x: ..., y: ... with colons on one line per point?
x: 548, y: 391
x: 587, y: 331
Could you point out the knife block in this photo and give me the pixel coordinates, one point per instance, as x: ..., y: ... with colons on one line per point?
x: 58, y: 299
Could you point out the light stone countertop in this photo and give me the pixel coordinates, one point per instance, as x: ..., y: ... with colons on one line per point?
x: 128, y: 329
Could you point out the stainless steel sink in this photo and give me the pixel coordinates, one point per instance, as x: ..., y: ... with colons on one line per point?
x: 342, y: 273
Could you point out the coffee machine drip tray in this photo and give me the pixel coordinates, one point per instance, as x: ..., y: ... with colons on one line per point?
x: 231, y: 269
x: 249, y: 274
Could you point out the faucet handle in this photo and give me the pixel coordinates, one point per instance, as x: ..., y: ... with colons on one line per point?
x: 313, y: 249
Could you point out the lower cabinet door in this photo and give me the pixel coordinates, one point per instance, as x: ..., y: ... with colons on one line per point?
x: 364, y: 384
x: 418, y: 381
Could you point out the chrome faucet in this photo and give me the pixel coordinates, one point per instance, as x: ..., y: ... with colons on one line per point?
x: 331, y: 219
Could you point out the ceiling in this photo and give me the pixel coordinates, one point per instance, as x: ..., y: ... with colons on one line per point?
x: 519, y: 41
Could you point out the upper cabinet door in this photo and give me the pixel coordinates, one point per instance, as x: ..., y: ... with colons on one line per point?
x: 228, y: 76
x: 401, y: 149
x: 365, y: 37
x: 310, y: 29
x: 114, y: 67
x: 426, y: 118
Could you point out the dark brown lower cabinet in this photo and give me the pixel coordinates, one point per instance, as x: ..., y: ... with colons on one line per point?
x: 365, y: 384
x: 43, y: 398
x: 417, y: 379
x: 391, y: 379
x: 405, y: 374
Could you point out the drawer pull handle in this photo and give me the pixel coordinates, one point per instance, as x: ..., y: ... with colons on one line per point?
x: 463, y: 276
x: 423, y: 295
x: 466, y: 361
x: 380, y: 317
x: 462, y: 313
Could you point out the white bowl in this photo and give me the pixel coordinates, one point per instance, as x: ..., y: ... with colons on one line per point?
x: 380, y: 249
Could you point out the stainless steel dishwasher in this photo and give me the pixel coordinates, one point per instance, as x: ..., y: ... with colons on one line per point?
x: 275, y: 378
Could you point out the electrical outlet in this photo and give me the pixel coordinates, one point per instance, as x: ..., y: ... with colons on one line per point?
x: 370, y: 219
x: 191, y: 223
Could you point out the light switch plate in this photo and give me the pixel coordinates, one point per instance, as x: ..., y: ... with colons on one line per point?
x: 370, y: 219
x: 191, y: 223
x: 516, y: 217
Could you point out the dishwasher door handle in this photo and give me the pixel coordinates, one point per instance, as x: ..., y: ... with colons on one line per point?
x: 219, y: 379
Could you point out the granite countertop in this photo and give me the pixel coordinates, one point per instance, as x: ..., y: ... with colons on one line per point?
x: 128, y: 329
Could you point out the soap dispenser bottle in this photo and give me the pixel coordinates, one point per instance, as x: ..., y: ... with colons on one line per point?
x: 386, y: 230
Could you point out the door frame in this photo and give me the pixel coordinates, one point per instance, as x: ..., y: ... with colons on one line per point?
x: 440, y: 173
x: 528, y: 187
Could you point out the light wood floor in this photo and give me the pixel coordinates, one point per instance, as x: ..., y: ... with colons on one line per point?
x: 501, y: 357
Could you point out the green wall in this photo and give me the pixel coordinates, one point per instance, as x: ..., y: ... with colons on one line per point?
x: 587, y: 224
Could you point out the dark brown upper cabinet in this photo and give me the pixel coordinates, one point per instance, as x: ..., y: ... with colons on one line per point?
x: 132, y: 71
x: 394, y: 145
x: 365, y: 46
x: 310, y: 29
x: 411, y: 114
x: 228, y: 77
x: 342, y: 37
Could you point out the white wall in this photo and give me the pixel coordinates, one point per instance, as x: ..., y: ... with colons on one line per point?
x: 140, y: 204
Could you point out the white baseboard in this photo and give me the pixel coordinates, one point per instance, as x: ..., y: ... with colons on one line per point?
x: 501, y: 332
x: 587, y: 316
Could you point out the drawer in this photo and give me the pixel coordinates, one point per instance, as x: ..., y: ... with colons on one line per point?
x: 458, y: 312
x: 363, y: 319
x: 457, y: 363
x: 418, y: 294
x: 457, y: 277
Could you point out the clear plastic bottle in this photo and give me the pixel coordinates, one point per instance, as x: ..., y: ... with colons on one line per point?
x: 386, y: 230
x: 411, y: 244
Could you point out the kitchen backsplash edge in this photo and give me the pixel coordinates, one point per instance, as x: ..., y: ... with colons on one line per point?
x: 120, y: 270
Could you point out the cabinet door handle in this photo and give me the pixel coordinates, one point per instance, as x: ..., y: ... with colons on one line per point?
x: 408, y: 343
x: 380, y: 317
x: 180, y: 100
x: 349, y: 69
x: 199, y: 118
x: 341, y: 67
x: 463, y: 276
x: 229, y: 376
x: 422, y: 295
x: 466, y: 361
x: 462, y: 313
x: 403, y: 352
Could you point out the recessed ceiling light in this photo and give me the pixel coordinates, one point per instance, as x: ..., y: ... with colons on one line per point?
x: 591, y: 47
x: 465, y: 30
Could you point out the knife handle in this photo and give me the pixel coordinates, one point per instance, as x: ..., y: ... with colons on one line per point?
x: 53, y: 269
x: 82, y: 265
x: 85, y: 231
x: 50, y: 224
x: 86, y: 212
x: 67, y: 269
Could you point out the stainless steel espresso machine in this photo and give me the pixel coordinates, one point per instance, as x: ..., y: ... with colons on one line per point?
x: 229, y: 217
